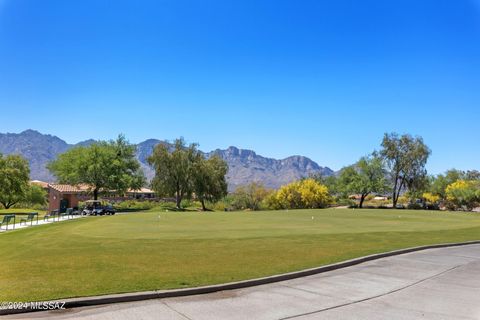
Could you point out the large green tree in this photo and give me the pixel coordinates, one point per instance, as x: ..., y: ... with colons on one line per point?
x: 439, y: 183
x: 175, y: 169
x: 34, y: 195
x: 406, y: 157
x: 365, y: 177
x: 14, y: 179
x: 210, y: 182
x: 330, y: 181
x: 250, y: 196
x: 103, y: 166
x: 472, y: 175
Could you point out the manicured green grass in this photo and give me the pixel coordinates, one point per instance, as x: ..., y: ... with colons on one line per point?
x: 158, y: 250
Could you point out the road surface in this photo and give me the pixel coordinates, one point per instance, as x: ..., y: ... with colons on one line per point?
x: 431, y: 284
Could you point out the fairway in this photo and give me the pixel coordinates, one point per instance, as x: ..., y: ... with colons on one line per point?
x: 159, y: 250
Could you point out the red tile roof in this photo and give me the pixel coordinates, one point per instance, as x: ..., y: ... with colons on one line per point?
x: 65, y: 188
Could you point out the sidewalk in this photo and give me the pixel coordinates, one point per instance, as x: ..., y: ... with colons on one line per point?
x: 433, y: 284
x: 17, y: 225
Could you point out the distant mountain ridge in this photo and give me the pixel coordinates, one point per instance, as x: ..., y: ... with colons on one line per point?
x: 245, y: 166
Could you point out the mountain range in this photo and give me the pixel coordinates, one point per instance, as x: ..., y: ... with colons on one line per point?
x: 245, y: 166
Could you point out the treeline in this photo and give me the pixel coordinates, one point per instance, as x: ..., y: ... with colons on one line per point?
x: 303, y: 194
x: 182, y: 172
x: 185, y: 172
x: 454, y: 190
x: 397, y: 171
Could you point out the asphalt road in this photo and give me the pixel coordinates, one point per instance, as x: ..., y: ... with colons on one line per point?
x: 432, y: 284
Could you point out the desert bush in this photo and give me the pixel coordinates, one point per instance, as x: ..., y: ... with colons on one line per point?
x: 132, y: 205
x: 463, y: 194
x: 304, y: 194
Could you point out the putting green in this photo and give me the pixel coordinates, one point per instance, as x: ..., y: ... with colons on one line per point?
x: 158, y: 250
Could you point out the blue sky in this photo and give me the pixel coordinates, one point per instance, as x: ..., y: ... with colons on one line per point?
x: 324, y: 79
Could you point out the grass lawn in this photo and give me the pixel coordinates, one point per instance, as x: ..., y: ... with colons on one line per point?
x: 158, y: 250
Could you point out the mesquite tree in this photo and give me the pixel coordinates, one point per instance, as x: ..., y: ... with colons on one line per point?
x: 406, y: 157
x: 102, y: 166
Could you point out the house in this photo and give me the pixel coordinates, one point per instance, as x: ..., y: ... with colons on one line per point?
x: 357, y: 197
x: 142, y: 193
x: 63, y: 196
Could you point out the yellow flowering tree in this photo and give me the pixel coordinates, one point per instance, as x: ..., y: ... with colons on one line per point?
x: 313, y: 194
x: 302, y: 194
x: 463, y: 194
x: 431, y: 198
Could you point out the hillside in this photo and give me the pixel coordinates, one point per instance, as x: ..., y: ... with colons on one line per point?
x: 245, y: 166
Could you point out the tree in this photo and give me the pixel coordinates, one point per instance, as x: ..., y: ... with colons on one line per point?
x: 464, y: 194
x: 472, y: 175
x: 313, y: 194
x: 365, y: 177
x: 210, y: 183
x: 34, y: 195
x: 439, y: 184
x: 430, y: 198
x: 250, y: 196
x: 416, y: 188
x: 103, y: 166
x: 14, y: 178
x: 175, y: 171
x: 406, y: 158
x: 330, y: 181
x: 303, y: 194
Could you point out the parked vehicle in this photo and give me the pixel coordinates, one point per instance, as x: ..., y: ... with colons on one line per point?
x: 98, y: 208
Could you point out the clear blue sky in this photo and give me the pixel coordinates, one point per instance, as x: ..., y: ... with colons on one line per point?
x: 324, y: 79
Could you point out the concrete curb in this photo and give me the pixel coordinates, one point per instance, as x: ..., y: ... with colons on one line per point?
x: 161, y: 294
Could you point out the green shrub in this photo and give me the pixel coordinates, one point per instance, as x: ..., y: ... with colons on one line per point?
x: 346, y: 202
x: 225, y: 204
x: 250, y: 197
x: 132, y: 205
x: 415, y: 206
x: 189, y: 204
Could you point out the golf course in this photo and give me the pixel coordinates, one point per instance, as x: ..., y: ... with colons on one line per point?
x: 165, y: 250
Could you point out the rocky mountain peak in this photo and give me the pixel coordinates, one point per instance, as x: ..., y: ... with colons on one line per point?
x: 245, y: 166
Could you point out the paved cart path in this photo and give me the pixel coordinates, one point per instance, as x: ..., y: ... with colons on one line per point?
x: 18, y: 226
x: 431, y: 284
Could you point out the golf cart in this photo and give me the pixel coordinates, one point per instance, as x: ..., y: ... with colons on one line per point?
x: 97, y: 208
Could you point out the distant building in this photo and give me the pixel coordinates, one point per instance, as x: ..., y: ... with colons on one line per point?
x: 355, y: 197
x: 63, y: 196
x: 39, y: 183
x: 376, y: 198
x: 142, y: 193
